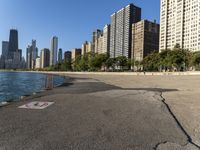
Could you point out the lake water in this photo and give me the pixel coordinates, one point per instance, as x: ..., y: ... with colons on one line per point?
x: 16, y: 84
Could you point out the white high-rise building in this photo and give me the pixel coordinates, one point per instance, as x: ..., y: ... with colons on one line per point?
x: 180, y: 24
x: 54, y: 51
x: 121, y: 30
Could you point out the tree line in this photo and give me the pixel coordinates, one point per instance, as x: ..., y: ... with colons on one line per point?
x: 167, y: 60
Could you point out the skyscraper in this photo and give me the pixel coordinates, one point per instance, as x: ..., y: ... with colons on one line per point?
x: 5, y: 45
x: 179, y: 24
x: 60, y: 56
x: 99, y: 44
x: 121, y: 30
x: 44, y: 58
x: 68, y: 56
x: 75, y: 53
x: 84, y: 48
x: 95, y: 35
x: 106, y: 39
x: 31, y: 55
x: 13, y: 43
x: 54, y: 51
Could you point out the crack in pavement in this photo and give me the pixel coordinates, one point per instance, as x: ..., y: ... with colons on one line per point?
x: 156, y: 147
x: 163, y: 100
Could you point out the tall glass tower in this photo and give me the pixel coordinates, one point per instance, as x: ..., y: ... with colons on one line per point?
x: 13, y: 43
x: 54, y: 51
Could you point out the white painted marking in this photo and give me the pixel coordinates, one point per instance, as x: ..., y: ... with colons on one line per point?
x: 36, y: 105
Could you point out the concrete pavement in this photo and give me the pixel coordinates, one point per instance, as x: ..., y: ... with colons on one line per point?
x: 95, y: 113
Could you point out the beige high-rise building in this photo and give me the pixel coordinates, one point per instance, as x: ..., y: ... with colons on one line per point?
x: 86, y: 48
x: 75, y: 53
x: 145, y: 39
x: 37, y: 63
x: 99, y: 45
x: 95, y: 36
x: 45, y: 58
x: 180, y: 24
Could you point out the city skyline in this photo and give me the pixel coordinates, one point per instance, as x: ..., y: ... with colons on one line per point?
x: 76, y: 36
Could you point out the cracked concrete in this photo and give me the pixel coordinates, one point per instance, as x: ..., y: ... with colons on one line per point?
x: 183, y: 100
x: 93, y: 115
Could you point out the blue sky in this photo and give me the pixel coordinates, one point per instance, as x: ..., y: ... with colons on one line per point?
x: 71, y: 20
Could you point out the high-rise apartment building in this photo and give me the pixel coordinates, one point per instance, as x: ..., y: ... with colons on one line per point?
x: 145, y: 39
x: 37, y: 63
x: 44, y: 58
x: 121, y: 30
x: 95, y: 36
x: 75, y: 53
x: 179, y: 24
x: 106, y: 39
x: 54, y: 51
x: 68, y: 56
x: 60, y: 55
x: 99, y: 45
x: 84, y: 48
x: 13, y: 43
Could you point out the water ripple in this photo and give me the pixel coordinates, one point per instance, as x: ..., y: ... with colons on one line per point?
x: 14, y: 84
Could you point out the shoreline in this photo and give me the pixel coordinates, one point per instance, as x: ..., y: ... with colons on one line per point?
x: 33, y: 95
x: 189, y: 73
x: 64, y: 73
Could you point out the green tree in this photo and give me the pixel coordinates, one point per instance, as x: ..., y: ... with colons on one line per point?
x: 76, y: 64
x: 196, y: 60
x: 151, y: 62
x: 110, y: 63
x: 131, y: 63
x: 122, y: 62
x: 83, y: 63
x: 97, y: 62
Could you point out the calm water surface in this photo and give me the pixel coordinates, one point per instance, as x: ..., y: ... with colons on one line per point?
x: 15, y: 84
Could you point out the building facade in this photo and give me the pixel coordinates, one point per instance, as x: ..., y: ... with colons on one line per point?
x: 37, y: 63
x: 179, y: 24
x: 13, y: 43
x: 145, y: 39
x: 60, y: 56
x: 45, y: 58
x: 75, y: 53
x: 106, y: 39
x: 95, y: 35
x: 31, y: 55
x: 11, y: 57
x: 54, y: 51
x: 99, y: 45
x: 5, y: 45
x: 121, y: 30
x: 68, y: 56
